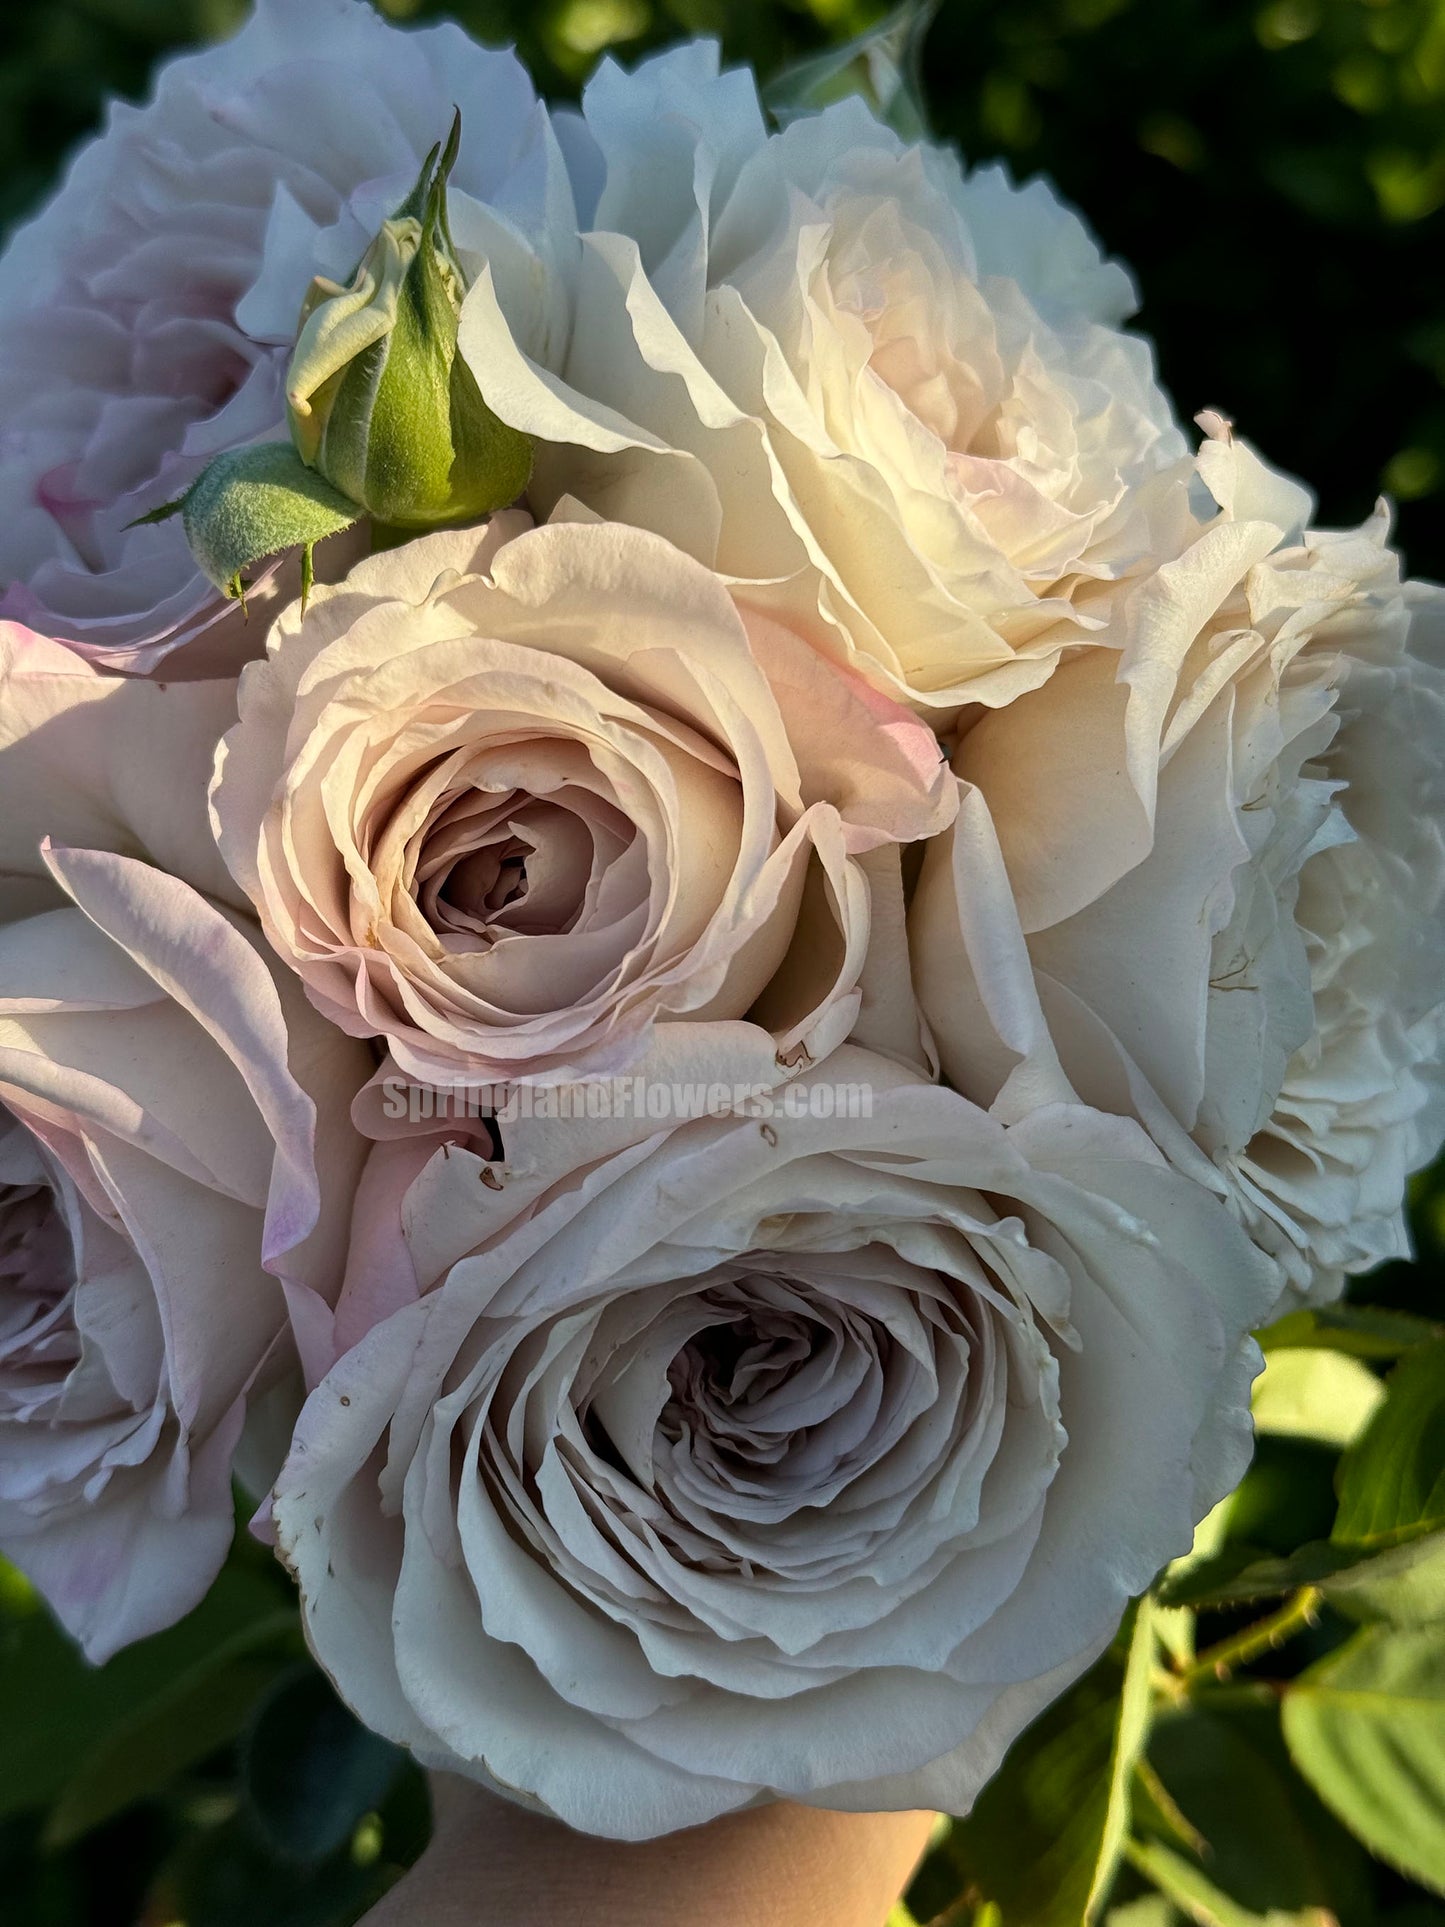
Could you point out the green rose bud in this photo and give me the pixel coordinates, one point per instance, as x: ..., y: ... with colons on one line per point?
x: 381, y: 404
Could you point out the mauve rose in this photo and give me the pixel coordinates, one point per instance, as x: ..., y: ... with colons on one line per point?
x: 147, y: 313
x: 557, y: 807
x: 808, y: 1454
x: 176, y: 1158
x: 1200, y: 876
x: 828, y: 361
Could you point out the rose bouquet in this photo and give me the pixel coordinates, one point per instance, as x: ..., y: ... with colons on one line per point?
x: 693, y: 918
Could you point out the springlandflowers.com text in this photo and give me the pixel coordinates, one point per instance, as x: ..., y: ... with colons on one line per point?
x: 621, y: 1097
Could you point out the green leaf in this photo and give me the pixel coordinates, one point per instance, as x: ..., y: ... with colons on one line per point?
x: 1287, y: 1497
x: 1199, y: 1900
x: 223, y: 1876
x: 1361, y: 1331
x: 1262, y: 1836
x: 1149, y: 1910
x: 1158, y: 1814
x: 197, y: 1712
x: 882, y: 65
x: 1366, y: 1728
x: 1392, y: 1481
x: 1175, y: 1625
x: 1045, y: 1836
x: 1404, y: 1586
x: 59, y: 1710
x: 1308, y: 1393
x: 252, y: 503
x: 312, y: 1771
x: 1241, y: 1575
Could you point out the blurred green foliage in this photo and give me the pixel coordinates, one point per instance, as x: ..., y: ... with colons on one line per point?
x: 1274, y: 171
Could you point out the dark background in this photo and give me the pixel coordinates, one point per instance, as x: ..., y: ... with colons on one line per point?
x: 1274, y: 171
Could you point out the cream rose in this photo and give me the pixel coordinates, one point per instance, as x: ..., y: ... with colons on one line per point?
x: 149, y: 311
x: 557, y: 807
x: 1201, y: 876
x: 806, y: 1455
x: 176, y: 1158
x: 827, y: 360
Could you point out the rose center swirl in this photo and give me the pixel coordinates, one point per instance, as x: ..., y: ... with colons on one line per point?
x: 488, y: 864
x: 796, y: 1413
x: 39, y: 1344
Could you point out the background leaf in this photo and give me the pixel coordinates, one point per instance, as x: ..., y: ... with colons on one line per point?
x: 196, y: 1713
x: 1404, y: 1586
x: 311, y: 1770
x: 1046, y: 1834
x: 1360, y: 1331
x: 58, y: 1710
x: 1198, y: 1899
x: 1392, y: 1482
x: 1366, y: 1727
x: 1305, y: 1392
x: 1264, y: 1838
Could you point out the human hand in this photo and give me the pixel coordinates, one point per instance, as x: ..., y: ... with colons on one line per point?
x: 492, y: 1864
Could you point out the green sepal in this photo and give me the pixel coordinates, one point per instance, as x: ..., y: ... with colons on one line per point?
x: 252, y: 503
x: 163, y: 514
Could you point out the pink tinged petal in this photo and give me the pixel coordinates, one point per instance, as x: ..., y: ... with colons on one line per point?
x: 380, y: 1274
x: 201, y: 960
x: 881, y: 767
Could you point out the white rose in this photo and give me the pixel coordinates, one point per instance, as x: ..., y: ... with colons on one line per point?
x: 806, y: 1455
x: 1202, y: 878
x: 538, y: 808
x: 176, y: 1161
x: 826, y: 360
x: 149, y: 310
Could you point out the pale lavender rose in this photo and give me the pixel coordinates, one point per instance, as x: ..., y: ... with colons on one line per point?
x: 557, y: 807
x: 147, y: 313
x: 1201, y: 877
x: 828, y: 360
x: 176, y: 1159
x: 804, y: 1454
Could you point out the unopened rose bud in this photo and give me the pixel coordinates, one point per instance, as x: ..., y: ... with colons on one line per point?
x: 381, y: 404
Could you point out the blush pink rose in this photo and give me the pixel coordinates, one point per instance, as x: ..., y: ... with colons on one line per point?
x: 559, y: 807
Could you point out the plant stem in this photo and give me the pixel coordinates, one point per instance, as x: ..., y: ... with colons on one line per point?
x: 1218, y: 1661
x: 1233, y: 1694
